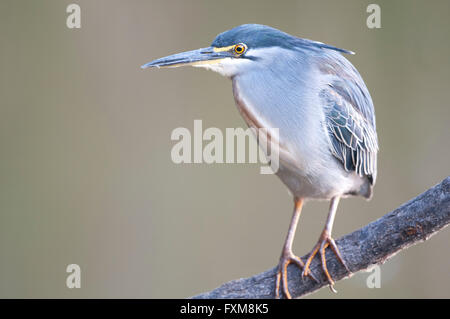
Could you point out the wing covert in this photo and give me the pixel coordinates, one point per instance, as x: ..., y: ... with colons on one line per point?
x: 350, y: 122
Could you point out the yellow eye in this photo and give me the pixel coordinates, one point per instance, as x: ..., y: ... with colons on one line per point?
x: 240, y: 48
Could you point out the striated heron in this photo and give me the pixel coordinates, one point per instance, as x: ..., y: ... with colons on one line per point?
x: 323, y: 111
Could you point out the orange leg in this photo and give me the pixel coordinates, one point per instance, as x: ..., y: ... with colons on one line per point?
x: 287, y: 257
x: 325, y: 240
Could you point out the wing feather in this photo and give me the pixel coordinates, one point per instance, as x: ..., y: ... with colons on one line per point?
x: 349, y: 117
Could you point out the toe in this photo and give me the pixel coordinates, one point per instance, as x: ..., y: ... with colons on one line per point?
x: 277, y: 285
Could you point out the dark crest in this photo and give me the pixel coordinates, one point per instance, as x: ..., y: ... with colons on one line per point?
x: 262, y: 36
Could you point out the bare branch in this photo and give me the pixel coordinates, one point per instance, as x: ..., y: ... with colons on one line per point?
x: 411, y: 223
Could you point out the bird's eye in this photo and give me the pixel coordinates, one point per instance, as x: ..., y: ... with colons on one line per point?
x: 240, y: 48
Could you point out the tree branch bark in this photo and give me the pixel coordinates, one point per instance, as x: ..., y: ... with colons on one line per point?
x: 411, y: 223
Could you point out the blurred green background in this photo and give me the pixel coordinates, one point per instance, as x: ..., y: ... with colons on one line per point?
x: 86, y: 174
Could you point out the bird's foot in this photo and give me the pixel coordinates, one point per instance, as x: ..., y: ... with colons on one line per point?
x: 282, y: 280
x: 325, y: 240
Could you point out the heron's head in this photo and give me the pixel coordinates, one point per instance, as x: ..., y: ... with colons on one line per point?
x: 241, y: 49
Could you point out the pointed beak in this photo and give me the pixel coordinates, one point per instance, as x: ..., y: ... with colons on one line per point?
x: 201, y: 56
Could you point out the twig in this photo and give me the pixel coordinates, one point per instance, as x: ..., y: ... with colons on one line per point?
x: 411, y: 223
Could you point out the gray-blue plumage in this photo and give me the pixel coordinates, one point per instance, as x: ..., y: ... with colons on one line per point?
x: 315, y: 107
x: 306, y: 88
x: 262, y: 36
x: 350, y: 118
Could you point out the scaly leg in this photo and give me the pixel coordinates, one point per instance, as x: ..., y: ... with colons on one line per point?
x: 287, y: 256
x: 325, y: 240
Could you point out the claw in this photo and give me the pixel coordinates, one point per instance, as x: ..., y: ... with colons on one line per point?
x: 282, y: 279
x: 324, y: 241
x: 306, y: 270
